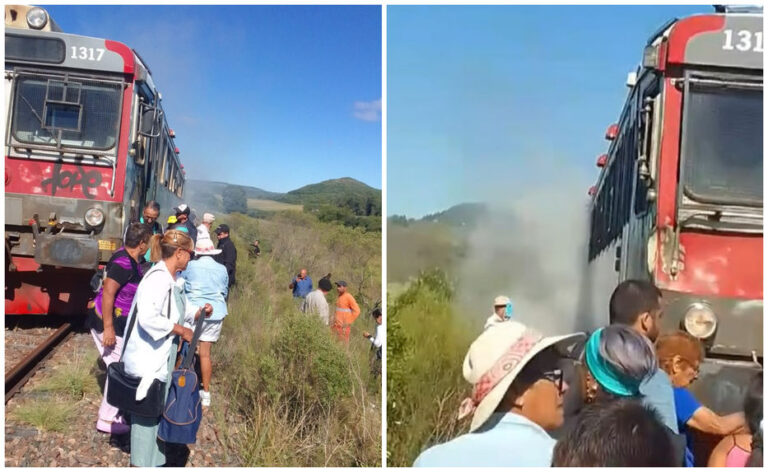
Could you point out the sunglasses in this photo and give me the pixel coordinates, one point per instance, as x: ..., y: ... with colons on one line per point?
x: 191, y: 253
x: 556, y: 377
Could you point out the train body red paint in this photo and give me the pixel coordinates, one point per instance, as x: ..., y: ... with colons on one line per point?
x: 679, y: 200
x: 87, y: 145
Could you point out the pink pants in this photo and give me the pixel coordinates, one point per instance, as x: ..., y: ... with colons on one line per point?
x: 109, y: 355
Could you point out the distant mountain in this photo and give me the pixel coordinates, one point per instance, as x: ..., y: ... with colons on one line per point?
x: 330, y: 191
x: 208, y: 186
x: 359, y: 198
x: 463, y: 214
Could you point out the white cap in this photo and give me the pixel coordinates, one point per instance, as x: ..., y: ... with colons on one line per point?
x: 501, y: 300
x: 208, y: 218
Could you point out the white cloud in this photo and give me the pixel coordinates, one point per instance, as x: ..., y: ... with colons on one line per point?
x: 368, y: 111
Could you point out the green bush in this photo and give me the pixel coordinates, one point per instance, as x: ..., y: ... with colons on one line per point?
x: 426, y: 344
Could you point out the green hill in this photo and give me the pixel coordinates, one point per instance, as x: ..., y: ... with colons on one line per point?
x: 347, y: 192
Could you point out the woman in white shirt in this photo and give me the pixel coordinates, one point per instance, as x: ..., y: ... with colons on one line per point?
x: 151, y: 349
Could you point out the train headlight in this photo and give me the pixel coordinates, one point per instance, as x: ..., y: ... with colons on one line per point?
x: 94, y: 217
x: 700, y: 321
x: 37, y: 18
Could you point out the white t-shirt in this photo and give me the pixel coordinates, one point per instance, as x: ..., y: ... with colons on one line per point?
x: 492, y: 320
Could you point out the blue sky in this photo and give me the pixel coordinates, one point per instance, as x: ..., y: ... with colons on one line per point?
x: 272, y: 97
x: 496, y: 102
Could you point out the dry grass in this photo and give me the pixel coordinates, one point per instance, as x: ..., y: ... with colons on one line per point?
x: 73, y: 379
x: 49, y: 415
x: 304, y: 397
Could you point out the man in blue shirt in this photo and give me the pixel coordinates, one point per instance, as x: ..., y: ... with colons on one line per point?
x: 301, y: 284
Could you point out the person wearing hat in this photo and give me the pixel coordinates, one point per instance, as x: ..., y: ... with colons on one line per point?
x: 347, y: 312
x: 516, y: 399
x: 315, y: 303
x: 228, y: 256
x: 206, y: 281
x: 182, y: 220
x: 204, y: 230
x: 500, y: 311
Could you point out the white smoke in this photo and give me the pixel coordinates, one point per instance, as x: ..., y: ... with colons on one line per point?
x: 532, y: 248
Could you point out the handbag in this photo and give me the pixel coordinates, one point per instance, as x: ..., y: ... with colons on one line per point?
x: 122, y: 386
x: 183, y: 409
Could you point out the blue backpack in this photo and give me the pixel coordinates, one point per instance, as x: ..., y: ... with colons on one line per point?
x: 183, y: 409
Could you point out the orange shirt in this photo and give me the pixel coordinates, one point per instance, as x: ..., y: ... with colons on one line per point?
x: 347, y: 310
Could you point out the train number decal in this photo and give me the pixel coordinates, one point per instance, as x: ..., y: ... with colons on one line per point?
x: 743, y: 40
x: 87, y: 54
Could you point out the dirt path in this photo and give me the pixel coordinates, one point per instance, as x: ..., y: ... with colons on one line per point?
x: 78, y: 444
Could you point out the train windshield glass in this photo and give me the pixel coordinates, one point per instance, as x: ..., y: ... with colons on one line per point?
x: 723, y: 145
x: 78, y: 113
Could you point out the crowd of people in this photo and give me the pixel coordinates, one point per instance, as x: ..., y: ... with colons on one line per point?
x: 166, y: 280
x: 618, y: 396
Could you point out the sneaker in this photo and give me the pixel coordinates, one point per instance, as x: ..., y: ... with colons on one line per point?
x: 205, y: 397
x: 112, y: 427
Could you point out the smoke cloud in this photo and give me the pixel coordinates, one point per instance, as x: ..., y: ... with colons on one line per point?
x: 531, y: 248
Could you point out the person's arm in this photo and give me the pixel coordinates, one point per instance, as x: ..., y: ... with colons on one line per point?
x: 355, y: 309
x: 110, y: 289
x: 720, y: 452
x: 708, y: 421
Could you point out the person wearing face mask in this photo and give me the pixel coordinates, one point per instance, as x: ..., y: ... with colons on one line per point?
x: 502, y: 311
x: 516, y: 399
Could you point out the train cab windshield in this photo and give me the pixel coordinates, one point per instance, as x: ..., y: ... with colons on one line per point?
x: 722, y: 143
x: 66, y: 113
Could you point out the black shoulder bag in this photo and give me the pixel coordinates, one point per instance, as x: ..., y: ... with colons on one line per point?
x: 122, y: 386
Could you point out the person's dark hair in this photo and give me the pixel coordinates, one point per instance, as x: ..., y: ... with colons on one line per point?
x: 376, y: 313
x: 619, y: 433
x: 153, y: 205
x: 753, y: 411
x: 325, y: 285
x: 632, y: 298
x: 137, y: 233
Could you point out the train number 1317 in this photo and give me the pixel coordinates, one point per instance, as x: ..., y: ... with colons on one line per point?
x: 743, y: 40
x: 87, y: 54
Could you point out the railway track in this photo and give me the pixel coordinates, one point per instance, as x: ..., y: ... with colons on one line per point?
x: 29, y: 341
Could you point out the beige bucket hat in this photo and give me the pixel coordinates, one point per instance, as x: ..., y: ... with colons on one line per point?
x: 501, y: 300
x: 493, y: 362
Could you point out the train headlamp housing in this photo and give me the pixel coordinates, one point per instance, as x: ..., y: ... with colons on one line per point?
x: 37, y: 18
x: 700, y: 321
x: 94, y: 217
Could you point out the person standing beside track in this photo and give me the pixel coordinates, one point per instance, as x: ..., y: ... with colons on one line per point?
x: 108, y: 311
x: 204, y: 230
x: 228, y: 256
x: 206, y: 281
x: 347, y: 312
x: 150, y: 352
x: 149, y: 217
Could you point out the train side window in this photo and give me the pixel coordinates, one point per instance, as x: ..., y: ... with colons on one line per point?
x: 644, y: 146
